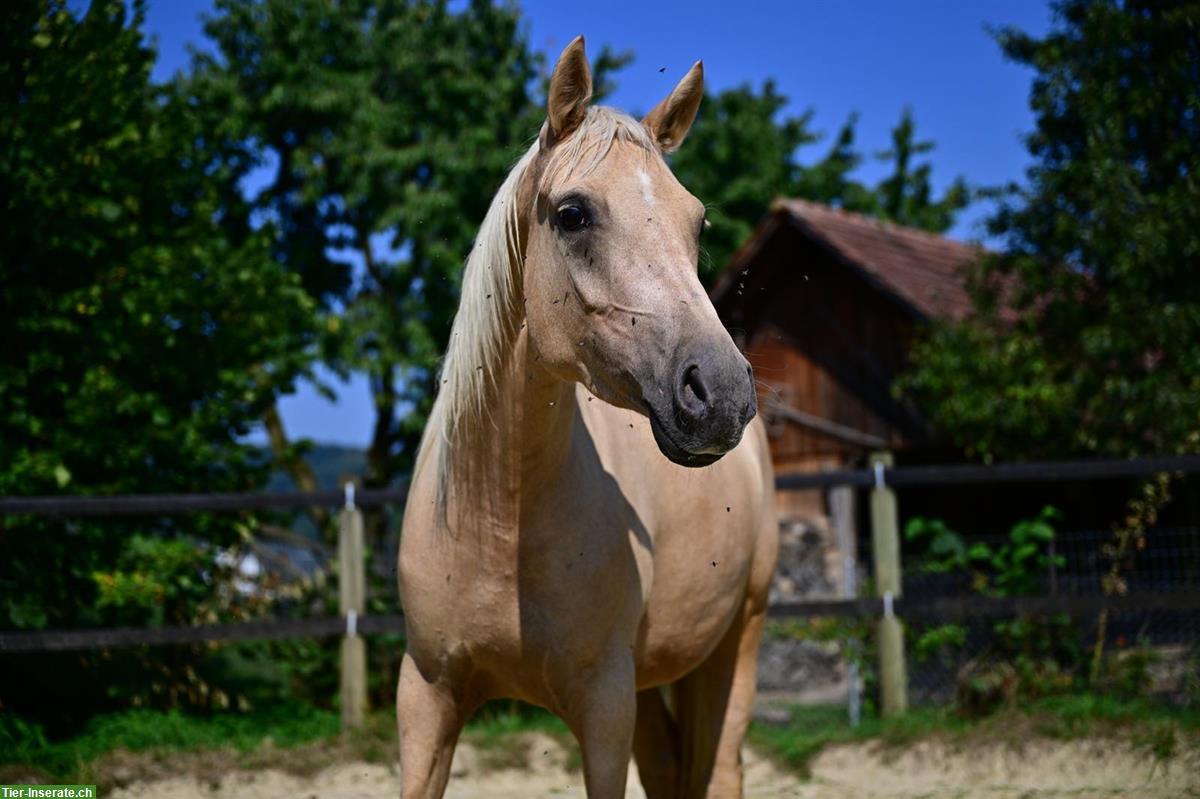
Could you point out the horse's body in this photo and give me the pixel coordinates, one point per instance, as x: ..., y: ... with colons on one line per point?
x: 550, y: 552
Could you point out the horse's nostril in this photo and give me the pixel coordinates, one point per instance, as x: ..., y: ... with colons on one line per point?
x: 750, y: 410
x: 693, y: 382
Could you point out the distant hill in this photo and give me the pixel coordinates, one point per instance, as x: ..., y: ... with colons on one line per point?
x: 329, y: 462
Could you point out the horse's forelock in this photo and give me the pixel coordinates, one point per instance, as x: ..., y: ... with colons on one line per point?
x: 588, y: 146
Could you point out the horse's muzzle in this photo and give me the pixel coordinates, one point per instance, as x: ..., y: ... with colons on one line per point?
x: 711, y: 402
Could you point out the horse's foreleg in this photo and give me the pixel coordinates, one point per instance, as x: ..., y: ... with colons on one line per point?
x: 602, y: 716
x: 714, y: 706
x: 656, y: 745
x: 727, y: 766
x: 430, y: 717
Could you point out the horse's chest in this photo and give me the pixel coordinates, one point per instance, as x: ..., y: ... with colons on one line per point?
x: 563, y: 586
x: 586, y: 565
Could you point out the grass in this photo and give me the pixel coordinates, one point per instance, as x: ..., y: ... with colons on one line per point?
x: 812, y: 728
x: 149, y: 730
x: 1073, y: 715
x: 1160, y: 730
x: 258, y: 739
x: 299, y: 737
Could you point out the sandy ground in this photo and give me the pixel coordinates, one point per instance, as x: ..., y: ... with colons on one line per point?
x: 1039, y: 769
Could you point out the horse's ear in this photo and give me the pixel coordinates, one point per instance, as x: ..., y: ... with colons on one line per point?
x: 570, y: 90
x: 671, y: 119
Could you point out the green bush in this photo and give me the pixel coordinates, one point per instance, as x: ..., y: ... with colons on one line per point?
x: 1028, y: 656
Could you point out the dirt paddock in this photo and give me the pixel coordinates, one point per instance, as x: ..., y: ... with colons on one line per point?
x: 1037, y: 769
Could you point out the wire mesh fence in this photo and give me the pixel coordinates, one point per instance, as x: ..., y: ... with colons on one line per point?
x: 820, y: 674
x: 1061, y: 641
x: 1152, y: 652
x: 1169, y: 560
x: 981, y: 664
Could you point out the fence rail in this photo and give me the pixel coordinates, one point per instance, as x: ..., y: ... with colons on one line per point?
x: 962, y: 474
x: 159, y: 504
x: 898, y: 476
x: 924, y: 609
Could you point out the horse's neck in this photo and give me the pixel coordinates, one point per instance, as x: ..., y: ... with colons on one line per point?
x: 519, y: 448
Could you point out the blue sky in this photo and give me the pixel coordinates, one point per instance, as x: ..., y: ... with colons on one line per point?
x: 873, y: 58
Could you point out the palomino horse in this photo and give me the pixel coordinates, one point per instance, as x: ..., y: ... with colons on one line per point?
x: 551, y: 553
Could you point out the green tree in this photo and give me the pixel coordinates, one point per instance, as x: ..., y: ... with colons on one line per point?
x: 906, y: 196
x: 140, y: 343
x: 743, y: 152
x: 1086, y: 336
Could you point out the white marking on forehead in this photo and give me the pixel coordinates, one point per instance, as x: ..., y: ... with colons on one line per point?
x: 647, y: 186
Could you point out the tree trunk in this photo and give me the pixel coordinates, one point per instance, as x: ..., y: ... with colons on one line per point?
x: 379, y: 467
x: 297, y: 468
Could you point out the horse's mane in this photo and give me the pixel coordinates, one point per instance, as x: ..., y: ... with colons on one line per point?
x: 488, y: 310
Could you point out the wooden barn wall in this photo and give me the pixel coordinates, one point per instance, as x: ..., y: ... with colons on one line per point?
x: 823, y: 341
x: 786, y: 373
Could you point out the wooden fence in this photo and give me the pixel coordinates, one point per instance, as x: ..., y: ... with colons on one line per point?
x: 887, y: 607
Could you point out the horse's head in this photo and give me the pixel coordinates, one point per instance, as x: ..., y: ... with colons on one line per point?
x: 612, y: 297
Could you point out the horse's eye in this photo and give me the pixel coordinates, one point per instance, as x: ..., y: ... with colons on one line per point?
x: 572, y: 217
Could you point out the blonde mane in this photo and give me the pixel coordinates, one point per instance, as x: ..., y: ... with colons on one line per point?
x: 489, y: 311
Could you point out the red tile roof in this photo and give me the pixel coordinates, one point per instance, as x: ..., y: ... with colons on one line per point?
x: 925, y: 270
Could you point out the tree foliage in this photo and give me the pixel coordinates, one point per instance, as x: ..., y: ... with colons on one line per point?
x: 906, y: 195
x: 140, y: 342
x: 1086, y: 337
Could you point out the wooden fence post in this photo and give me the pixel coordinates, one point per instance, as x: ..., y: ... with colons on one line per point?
x: 885, y: 541
x: 845, y: 528
x: 352, y: 581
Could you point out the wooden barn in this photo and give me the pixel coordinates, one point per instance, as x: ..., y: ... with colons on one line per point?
x: 825, y: 304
